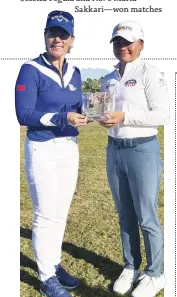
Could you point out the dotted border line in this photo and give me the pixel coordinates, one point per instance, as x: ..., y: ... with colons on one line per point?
x: 146, y: 59
x: 175, y: 189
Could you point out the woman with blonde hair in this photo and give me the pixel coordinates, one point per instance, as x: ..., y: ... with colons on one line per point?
x: 48, y: 102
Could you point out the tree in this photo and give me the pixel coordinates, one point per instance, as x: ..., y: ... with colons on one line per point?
x: 91, y: 85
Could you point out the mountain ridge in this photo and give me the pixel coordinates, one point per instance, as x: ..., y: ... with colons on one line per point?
x: 93, y: 73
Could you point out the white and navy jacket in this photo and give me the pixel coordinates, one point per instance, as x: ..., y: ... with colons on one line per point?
x: 43, y: 97
x: 142, y: 94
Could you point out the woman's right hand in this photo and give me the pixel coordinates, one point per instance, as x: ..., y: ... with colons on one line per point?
x: 76, y: 119
x: 112, y: 119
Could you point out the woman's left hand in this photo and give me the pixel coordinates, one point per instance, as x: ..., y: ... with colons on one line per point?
x: 114, y: 118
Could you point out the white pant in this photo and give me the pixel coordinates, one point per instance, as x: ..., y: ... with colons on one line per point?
x: 51, y: 171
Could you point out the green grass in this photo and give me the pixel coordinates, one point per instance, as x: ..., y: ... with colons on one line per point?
x: 92, y: 247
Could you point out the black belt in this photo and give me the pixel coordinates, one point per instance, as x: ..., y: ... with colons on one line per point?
x: 129, y: 142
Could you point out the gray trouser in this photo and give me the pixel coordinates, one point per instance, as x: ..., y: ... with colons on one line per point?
x: 134, y: 175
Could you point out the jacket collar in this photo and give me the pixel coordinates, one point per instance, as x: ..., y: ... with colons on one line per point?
x: 44, y: 58
x: 129, y: 66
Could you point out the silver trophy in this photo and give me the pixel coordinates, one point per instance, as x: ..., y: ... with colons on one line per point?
x: 96, y: 105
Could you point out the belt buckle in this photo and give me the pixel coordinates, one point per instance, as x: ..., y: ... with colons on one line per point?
x: 118, y: 142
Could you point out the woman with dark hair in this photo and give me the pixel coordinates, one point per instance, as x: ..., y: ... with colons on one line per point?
x: 133, y: 158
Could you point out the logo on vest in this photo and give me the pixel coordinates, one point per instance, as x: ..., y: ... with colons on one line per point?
x: 130, y: 83
x: 72, y: 88
x: 109, y: 85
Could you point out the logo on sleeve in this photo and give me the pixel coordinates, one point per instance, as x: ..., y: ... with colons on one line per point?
x: 20, y: 88
x: 162, y: 82
x: 130, y: 83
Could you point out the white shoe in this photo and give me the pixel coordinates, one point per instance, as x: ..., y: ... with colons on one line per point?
x: 126, y: 280
x: 149, y: 286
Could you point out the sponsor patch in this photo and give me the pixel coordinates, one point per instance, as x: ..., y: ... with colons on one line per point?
x: 124, y: 28
x: 109, y: 85
x: 60, y: 18
x: 162, y: 82
x: 72, y: 88
x: 130, y: 83
x: 20, y: 88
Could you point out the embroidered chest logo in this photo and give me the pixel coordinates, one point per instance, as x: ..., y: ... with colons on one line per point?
x: 72, y: 88
x: 110, y: 85
x: 130, y: 83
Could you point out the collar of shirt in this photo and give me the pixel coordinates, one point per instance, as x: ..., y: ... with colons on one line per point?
x: 48, y: 64
x: 129, y: 66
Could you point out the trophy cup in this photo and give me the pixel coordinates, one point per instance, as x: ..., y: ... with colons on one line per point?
x: 96, y: 105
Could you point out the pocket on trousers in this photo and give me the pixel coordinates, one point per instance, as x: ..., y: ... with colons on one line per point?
x: 147, y: 147
x: 109, y: 147
x: 75, y: 140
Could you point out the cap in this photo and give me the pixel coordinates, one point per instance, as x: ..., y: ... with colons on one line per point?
x: 60, y: 19
x: 129, y: 30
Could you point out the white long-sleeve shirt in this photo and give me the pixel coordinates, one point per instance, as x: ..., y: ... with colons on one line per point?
x: 142, y: 94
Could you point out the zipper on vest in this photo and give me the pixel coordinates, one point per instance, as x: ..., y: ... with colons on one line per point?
x: 61, y: 78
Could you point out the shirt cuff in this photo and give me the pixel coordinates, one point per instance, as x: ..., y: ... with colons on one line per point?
x: 60, y: 120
